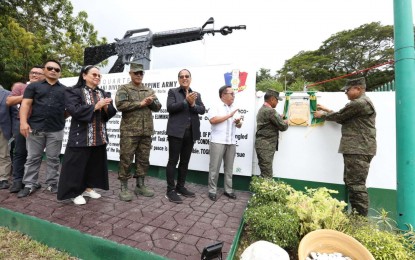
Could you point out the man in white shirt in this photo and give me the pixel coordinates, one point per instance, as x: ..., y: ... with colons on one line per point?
x: 224, y: 119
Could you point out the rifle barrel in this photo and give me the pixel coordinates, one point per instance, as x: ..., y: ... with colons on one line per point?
x: 173, y: 37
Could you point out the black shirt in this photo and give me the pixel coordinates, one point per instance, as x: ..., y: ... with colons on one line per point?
x: 48, y: 107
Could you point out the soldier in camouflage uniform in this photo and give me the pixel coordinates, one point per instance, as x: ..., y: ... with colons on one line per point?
x: 136, y: 102
x: 269, y: 123
x: 358, y: 141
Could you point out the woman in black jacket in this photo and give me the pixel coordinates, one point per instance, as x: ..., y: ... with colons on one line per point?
x: 84, y: 166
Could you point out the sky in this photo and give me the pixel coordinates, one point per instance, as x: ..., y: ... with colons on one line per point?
x: 276, y: 30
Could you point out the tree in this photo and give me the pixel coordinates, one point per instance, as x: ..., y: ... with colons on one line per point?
x: 38, y: 30
x: 18, y: 50
x: 263, y: 74
x: 269, y: 84
x: 344, y: 53
x: 264, y: 81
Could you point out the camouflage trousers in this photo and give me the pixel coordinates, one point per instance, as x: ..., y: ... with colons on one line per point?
x: 356, y: 169
x: 265, y: 160
x: 130, y: 146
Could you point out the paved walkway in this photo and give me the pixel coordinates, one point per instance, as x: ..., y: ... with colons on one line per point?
x: 175, y: 231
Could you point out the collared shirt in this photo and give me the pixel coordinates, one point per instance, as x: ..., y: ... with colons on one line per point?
x: 358, y: 120
x: 222, y: 133
x: 136, y: 120
x: 18, y: 91
x: 48, y: 107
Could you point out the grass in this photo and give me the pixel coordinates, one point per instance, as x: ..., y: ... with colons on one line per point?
x: 14, y: 245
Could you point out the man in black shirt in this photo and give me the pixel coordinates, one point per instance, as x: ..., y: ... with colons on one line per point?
x: 42, y: 119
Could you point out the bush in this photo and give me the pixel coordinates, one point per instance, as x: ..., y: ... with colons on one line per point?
x: 279, y: 214
x: 275, y: 223
x: 316, y: 209
x: 383, y: 244
x: 267, y: 190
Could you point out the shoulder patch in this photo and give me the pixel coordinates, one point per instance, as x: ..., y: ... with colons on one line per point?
x: 122, y: 96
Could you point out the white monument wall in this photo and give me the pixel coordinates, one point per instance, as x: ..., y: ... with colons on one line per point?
x: 305, y: 153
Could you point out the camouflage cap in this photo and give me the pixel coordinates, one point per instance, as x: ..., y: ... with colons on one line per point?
x: 134, y: 67
x: 276, y: 94
x: 355, y: 82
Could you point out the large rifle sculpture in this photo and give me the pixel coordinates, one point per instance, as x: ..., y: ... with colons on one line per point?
x: 137, y: 49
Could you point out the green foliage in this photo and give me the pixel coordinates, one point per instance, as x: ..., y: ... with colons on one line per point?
x: 297, y: 85
x: 383, y: 245
x: 264, y: 74
x: 17, y: 49
x: 343, y: 53
x: 410, y: 235
x: 275, y: 223
x: 264, y: 81
x: 268, y: 190
x: 34, y: 31
x: 317, y: 210
x: 383, y: 222
x: 269, y: 84
x: 282, y: 215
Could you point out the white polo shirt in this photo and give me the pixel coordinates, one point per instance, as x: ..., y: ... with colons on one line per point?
x: 223, y: 133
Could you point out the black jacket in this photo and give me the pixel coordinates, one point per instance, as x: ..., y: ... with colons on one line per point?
x: 81, y: 133
x: 181, y: 115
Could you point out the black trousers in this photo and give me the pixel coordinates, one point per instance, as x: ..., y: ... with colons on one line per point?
x: 19, y: 156
x: 179, y: 147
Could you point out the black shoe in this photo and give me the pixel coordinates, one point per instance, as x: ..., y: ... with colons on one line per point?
x: 212, y: 196
x: 53, y: 188
x: 173, y: 197
x: 26, y: 191
x: 185, y: 192
x: 4, y: 185
x: 16, y: 187
x: 230, y: 195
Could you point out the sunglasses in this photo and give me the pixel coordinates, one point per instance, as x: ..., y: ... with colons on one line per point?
x: 184, y: 76
x: 49, y: 68
x: 138, y: 73
x: 232, y: 94
x: 96, y: 75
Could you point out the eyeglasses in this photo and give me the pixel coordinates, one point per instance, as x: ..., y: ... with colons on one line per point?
x: 231, y: 93
x: 35, y: 73
x: 96, y: 75
x: 184, y: 76
x: 49, y: 68
x: 138, y: 73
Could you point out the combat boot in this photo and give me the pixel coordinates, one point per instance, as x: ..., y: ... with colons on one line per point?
x: 125, y: 194
x: 141, y: 188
